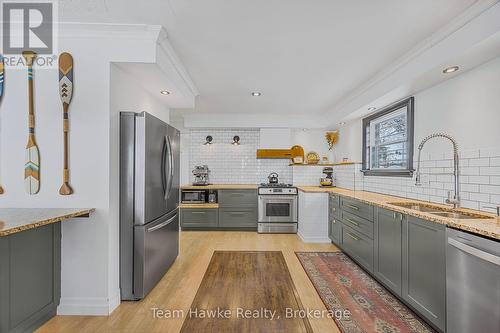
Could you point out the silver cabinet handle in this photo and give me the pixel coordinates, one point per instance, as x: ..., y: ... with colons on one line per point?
x: 161, y: 225
x: 475, y: 252
x: 237, y: 213
x: 352, y: 207
x: 353, y: 237
x: 199, y: 213
x: 334, y: 221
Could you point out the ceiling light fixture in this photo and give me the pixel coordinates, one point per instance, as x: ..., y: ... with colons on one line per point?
x: 256, y: 94
x: 208, y: 140
x: 236, y: 140
x: 164, y: 92
x: 372, y: 108
x: 450, y: 69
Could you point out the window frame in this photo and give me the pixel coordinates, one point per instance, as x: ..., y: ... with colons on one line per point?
x: 409, y: 103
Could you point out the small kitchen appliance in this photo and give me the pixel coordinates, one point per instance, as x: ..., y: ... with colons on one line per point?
x: 201, y: 177
x: 328, y: 179
x: 277, y: 208
x: 273, y: 178
x: 194, y: 196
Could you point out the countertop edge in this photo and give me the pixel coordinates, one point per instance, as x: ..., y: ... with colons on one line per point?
x: 47, y: 221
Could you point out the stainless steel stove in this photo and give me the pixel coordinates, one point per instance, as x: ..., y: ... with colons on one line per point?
x: 278, y: 208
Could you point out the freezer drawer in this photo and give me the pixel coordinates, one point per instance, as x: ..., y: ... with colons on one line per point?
x: 156, y: 248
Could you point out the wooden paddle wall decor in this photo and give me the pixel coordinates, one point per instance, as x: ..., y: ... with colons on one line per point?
x: 1, y: 94
x: 32, y: 166
x: 66, y: 92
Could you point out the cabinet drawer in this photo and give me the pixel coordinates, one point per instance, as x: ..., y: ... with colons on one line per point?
x: 238, y: 198
x: 357, y: 223
x: 199, y: 218
x: 358, y: 246
x: 357, y: 208
x: 335, y: 231
x: 238, y: 218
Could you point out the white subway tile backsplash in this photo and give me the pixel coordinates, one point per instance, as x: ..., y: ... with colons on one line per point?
x: 479, y: 178
x: 491, y: 189
x: 490, y: 152
x: 234, y: 164
x: 490, y: 171
x: 495, y: 161
x: 479, y: 162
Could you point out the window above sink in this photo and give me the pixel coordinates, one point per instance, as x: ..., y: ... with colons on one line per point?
x: 388, y: 141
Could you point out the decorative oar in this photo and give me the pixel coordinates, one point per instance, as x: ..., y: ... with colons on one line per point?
x: 1, y: 93
x: 66, y: 91
x: 32, y: 166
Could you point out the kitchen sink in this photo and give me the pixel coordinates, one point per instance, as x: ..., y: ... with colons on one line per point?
x: 440, y: 211
x: 421, y: 207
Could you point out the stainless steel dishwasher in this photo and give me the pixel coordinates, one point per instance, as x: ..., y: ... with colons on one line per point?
x: 472, y: 282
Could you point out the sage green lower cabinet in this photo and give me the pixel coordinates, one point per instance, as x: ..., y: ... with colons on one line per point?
x: 199, y: 218
x: 335, y: 231
x: 388, y: 249
x: 30, y: 278
x: 238, y: 218
x: 358, y: 246
x: 424, y: 273
x: 237, y: 211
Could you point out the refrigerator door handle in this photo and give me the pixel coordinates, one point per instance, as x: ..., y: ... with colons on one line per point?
x: 171, y: 168
x: 163, y: 224
x: 166, y: 174
x: 163, y: 169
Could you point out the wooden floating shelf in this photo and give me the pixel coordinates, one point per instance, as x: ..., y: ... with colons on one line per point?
x: 324, y: 165
x: 275, y: 153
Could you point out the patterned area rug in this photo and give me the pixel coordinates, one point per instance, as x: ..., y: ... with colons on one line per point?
x: 342, y: 285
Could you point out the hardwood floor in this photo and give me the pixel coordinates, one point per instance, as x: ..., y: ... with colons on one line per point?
x: 177, y: 289
x: 246, y: 291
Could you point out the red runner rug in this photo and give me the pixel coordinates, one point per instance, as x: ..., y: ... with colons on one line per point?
x: 343, y: 285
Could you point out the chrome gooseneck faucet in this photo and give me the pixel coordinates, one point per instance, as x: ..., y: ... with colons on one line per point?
x: 455, y: 201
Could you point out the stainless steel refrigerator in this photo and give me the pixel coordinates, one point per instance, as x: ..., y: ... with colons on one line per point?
x: 149, y: 200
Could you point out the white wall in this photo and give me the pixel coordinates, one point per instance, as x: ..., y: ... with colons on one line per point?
x: 90, y: 282
x: 465, y: 107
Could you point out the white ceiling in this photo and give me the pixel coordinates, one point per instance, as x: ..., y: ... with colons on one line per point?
x: 304, y: 56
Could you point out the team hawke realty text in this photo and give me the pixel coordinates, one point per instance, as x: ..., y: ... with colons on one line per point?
x: 242, y: 313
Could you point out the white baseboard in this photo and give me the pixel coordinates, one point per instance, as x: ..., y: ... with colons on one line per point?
x: 88, y: 306
x: 313, y: 239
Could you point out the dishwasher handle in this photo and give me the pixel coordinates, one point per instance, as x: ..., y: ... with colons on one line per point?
x: 474, y: 251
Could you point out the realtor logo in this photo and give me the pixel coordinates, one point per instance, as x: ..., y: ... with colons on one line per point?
x: 28, y: 25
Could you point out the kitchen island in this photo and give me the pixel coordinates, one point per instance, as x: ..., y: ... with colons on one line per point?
x: 30, y: 265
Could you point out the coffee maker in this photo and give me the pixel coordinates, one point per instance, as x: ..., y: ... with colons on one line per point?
x: 328, y: 180
x: 200, y: 173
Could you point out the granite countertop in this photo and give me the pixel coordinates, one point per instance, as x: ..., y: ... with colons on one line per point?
x: 221, y: 187
x: 485, y: 227
x: 14, y: 220
x: 199, y: 205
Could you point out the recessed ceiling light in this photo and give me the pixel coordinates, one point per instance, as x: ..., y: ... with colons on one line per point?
x: 372, y: 108
x: 165, y: 92
x: 256, y: 94
x: 450, y: 69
